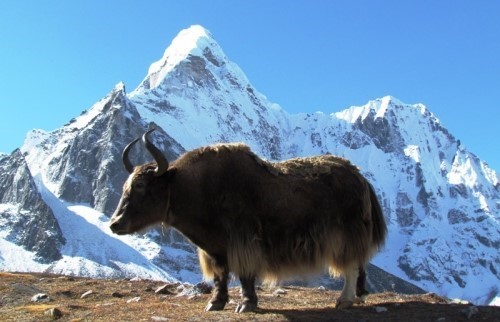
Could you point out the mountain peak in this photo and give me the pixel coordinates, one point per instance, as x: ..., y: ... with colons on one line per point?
x: 194, y: 41
x: 379, y: 108
x: 120, y: 87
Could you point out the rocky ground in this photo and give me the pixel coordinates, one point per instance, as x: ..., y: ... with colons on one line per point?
x: 42, y: 297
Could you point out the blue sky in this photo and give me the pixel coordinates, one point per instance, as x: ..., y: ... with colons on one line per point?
x: 57, y: 58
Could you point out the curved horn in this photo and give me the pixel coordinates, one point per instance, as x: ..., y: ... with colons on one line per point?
x: 161, y: 161
x: 126, y: 161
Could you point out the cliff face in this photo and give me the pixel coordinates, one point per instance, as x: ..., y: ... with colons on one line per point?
x: 25, y: 219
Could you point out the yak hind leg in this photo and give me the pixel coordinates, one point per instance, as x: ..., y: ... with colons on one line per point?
x: 361, y: 291
x: 348, y: 294
x: 216, y: 268
x: 248, y: 295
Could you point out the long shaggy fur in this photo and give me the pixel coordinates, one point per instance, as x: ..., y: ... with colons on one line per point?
x: 275, y: 245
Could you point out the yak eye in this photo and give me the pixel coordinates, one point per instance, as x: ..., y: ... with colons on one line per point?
x: 139, y: 185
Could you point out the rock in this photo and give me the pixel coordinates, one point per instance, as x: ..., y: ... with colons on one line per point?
x: 159, y: 318
x: 134, y: 299
x: 164, y: 289
x: 279, y: 292
x: 40, y: 297
x: 203, y: 288
x: 380, y: 309
x: 86, y: 294
x: 54, y: 313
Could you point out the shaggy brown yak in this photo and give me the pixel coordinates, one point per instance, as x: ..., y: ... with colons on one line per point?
x: 255, y: 218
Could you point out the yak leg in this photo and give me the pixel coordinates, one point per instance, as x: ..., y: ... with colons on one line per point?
x: 347, y: 296
x: 248, y: 295
x: 220, y: 295
x: 361, y: 291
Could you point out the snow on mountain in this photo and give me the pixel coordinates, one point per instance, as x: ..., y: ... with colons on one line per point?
x: 441, y: 202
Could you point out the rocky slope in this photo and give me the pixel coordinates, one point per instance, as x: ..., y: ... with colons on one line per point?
x: 40, y: 297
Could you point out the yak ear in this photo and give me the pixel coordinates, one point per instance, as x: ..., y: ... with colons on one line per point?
x: 161, y: 161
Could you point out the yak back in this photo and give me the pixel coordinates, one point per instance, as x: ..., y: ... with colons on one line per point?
x: 306, y: 166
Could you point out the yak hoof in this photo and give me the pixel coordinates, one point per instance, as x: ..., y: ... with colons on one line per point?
x: 361, y: 299
x: 215, y: 306
x: 246, y: 307
x: 343, y: 304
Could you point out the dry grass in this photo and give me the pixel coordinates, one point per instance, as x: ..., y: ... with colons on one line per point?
x: 108, y: 302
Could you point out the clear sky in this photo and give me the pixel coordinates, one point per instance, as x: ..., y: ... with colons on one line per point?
x: 57, y: 58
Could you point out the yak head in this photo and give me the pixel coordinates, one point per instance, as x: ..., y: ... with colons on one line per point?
x: 145, y: 198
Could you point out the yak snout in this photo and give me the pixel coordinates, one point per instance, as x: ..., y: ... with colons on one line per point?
x: 118, y: 224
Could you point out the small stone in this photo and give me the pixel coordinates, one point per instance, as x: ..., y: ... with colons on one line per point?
x: 159, y: 318
x: 134, y: 299
x: 203, y: 288
x: 54, y: 313
x: 279, y: 291
x: 380, y: 309
x: 163, y: 289
x: 40, y: 297
x: 86, y: 294
x: 135, y: 279
x: 321, y: 288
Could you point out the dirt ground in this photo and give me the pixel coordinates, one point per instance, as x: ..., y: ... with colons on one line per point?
x: 140, y: 300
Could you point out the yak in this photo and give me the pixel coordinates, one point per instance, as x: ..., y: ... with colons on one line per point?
x: 257, y: 219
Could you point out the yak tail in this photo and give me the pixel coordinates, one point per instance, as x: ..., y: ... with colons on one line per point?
x: 379, y: 228
x: 379, y: 232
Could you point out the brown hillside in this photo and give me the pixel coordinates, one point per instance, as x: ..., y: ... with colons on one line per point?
x: 130, y: 300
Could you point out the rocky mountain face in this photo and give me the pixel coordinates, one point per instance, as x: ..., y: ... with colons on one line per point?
x: 442, y: 203
x: 25, y: 219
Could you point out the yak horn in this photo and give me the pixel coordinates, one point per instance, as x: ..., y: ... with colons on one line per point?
x: 161, y: 161
x: 126, y: 161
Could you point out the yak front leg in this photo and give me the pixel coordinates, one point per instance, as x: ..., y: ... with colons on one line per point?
x: 220, y: 296
x: 248, y: 295
x: 218, y: 268
x: 348, y: 294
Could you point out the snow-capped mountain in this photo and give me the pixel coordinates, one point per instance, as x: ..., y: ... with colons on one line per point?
x: 441, y: 202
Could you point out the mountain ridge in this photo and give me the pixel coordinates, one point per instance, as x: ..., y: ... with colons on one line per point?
x: 440, y: 201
